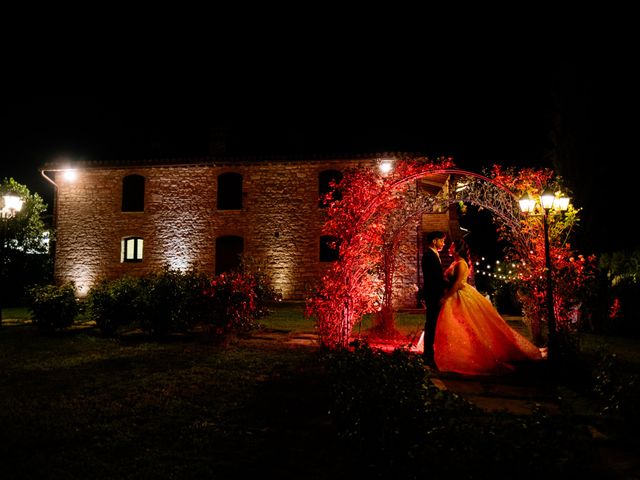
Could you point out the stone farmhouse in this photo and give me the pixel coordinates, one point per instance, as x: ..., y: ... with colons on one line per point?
x: 132, y: 218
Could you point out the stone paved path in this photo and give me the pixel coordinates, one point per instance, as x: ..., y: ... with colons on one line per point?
x: 520, y: 393
x: 516, y: 394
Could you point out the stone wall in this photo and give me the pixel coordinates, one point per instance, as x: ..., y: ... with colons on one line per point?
x: 280, y: 223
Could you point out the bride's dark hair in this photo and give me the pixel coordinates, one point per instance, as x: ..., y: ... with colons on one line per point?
x: 462, y: 249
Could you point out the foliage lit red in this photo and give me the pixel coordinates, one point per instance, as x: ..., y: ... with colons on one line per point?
x: 367, y: 232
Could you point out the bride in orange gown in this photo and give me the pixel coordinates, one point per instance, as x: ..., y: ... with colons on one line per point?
x: 471, y: 336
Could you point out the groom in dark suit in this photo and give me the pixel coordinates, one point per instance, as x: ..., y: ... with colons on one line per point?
x: 434, y: 287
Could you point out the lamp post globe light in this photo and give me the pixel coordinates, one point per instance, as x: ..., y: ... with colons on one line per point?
x: 544, y: 204
x: 10, y: 205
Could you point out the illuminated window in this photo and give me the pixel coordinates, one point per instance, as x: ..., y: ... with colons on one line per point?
x: 325, y: 179
x: 329, y: 249
x: 131, y: 249
x: 230, y: 191
x: 133, y: 193
x: 229, y: 251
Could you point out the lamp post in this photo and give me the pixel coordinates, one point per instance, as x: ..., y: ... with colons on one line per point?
x: 10, y: 205
x: 547, y: 201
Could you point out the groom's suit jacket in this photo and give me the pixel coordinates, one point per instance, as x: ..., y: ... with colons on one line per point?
x: 434, y: 284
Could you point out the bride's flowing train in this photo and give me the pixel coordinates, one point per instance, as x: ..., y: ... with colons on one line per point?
x: 473, y: 339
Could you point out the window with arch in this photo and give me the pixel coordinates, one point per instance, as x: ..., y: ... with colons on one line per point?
x: 229, y: 249
x: 229, y: 191
x: 133, y: 193
x: 325, y: 178
x: 131, y: 249
x: 329, y: 248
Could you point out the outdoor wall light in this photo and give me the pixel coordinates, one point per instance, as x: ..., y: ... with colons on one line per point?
x: 385, y: 166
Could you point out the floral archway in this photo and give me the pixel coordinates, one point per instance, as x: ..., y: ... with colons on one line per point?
x: 375, y: 209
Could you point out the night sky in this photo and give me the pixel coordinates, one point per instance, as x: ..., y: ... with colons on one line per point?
x: 578, y: 118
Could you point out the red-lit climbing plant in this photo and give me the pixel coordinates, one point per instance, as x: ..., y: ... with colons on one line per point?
x: 573, y: 274
x: 375, y: 209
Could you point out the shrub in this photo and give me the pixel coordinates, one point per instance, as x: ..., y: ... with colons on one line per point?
x: 237, y: 300
x: 378, y: 401
x: 113, y: 303
x: 172, y: 301
x: 233, y: 303
x: 398, y: 424
x: 617, y: 391
x: 157, y: 302
x: 192, y: 303
x: 53, y: 307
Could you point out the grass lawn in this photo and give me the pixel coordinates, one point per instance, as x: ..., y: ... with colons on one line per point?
x: 290, y: 317
x: 76, y: 405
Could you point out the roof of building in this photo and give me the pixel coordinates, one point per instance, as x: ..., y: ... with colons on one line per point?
x: 219, y: 160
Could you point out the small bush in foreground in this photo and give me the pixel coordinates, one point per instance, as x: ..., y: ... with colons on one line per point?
x: 397, y: 422
x: 53, y: 307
